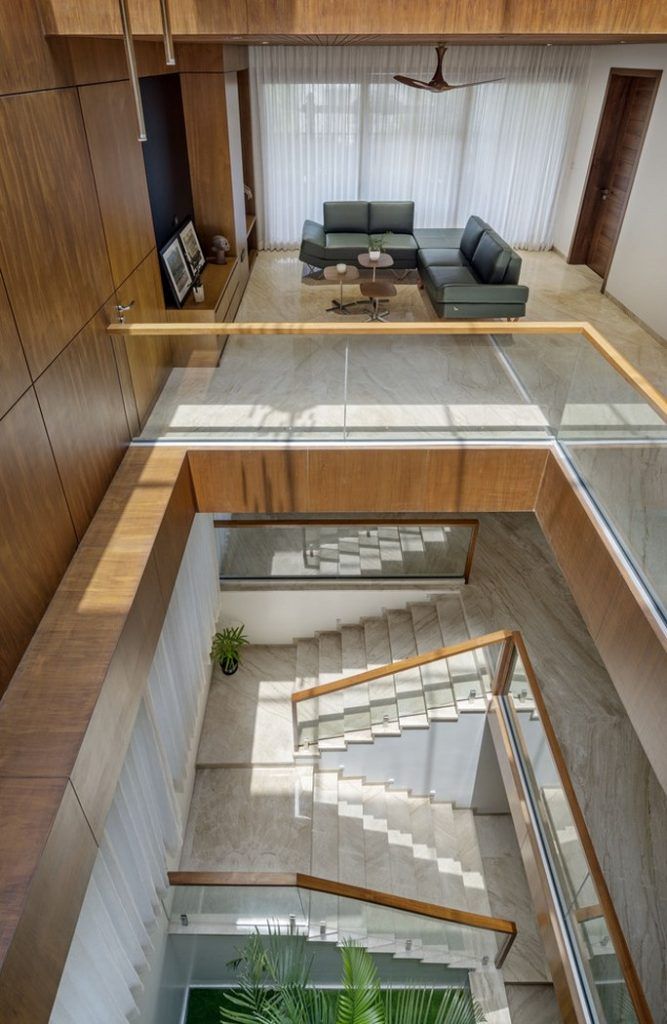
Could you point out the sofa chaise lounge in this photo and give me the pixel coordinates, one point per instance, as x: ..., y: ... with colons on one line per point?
x: 468, y: 273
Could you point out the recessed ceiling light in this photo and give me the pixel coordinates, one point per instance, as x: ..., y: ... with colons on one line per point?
x: 265, y: 42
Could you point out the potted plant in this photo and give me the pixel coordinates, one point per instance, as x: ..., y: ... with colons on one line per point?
x: 226, y: 648
x: 376, y: 246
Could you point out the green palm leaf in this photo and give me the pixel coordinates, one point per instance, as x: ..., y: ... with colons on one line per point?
x: 458, y: 1007
x: 360, y: 1002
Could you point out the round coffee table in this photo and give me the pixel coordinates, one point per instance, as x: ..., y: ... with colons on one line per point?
x: 385, y: 261
x: 333, y: 274
x: 375, y: 291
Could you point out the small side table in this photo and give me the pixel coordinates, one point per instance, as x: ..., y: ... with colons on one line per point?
x: 375, y: 291
x: 332, y: 274
x: 385, y: 261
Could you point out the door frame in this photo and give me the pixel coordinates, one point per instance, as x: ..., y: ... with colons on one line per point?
x: 587, y: 207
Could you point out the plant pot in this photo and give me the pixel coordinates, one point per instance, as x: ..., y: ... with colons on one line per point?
x: 198, y: 292
x: 229, y: 666
x: 374, y: 255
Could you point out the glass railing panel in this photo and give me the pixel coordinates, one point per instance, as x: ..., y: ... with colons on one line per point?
x: 327, y: 919
x: 577, y: 891
x: 333, y: 552
x: 435, y: 387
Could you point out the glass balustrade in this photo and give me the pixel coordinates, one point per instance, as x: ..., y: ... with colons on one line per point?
x: 578, y: 896
x: 356, y: 551
x: 328, y: 920
x: 435, y: 690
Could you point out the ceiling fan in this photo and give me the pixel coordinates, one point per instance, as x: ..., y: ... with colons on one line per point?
x: 437, y: 83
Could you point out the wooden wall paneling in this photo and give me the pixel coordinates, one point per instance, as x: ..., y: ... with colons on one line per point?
x: 52, y: 897
x: 149, y: 357
x: 37, y: 538
x: 206, y: 125
x: 82, y: 405
x: 118, y: 166
x: 174, y: 531
x: 27, y: 59
x: 247, y: 480
x: 484, y: 479
x: 624, y: 633
x: 46, y: 710
x: 94, y: 60
x: 367, y: 479
x: 52, y: 247
x: 14, y: 376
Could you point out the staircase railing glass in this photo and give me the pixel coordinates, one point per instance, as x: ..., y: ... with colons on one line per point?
x: 405, y: 548
x: 328, y: 911
x: 604, y: 966
x: 412, y: 691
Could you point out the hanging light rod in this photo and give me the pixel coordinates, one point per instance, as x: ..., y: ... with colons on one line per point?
x: 438, y: 83
x: 132, y: 68
x: 169, y: 53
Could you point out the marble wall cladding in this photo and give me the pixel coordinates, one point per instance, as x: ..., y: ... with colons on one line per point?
x: 532, y: 1004
x: 515, y: 583
x: 509, y: 896
x: 250, y: 819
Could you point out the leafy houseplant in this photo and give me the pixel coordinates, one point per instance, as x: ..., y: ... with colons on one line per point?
x: 376, y: 245
x: 226, y: 648
x: 275, y: 988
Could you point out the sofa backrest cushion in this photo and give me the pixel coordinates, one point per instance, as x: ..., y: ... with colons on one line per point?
x: 471, y: 236
x: 349, y: 216
x: 396, y: 217
x: 491, y: 258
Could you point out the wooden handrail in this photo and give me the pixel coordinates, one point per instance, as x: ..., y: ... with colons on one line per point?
x: 395, y: 667
x: 278, y: 520
x: 312, y: 883
x: 648, y: 392
x: 606, y: 907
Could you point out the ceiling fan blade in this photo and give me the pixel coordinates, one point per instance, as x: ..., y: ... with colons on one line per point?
x: 468, y: 85
x: 414, y: 83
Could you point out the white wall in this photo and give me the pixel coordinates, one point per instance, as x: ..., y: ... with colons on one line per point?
x: 637, y: 277
x: 278, y: 616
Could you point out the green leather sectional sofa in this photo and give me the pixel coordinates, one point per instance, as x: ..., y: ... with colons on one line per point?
x: 469, y: 273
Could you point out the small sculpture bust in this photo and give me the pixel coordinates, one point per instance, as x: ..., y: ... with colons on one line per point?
x: 221, y: 247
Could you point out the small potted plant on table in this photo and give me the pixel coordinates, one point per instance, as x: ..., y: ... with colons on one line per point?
x: 376, y: 246
x: 226, y: 648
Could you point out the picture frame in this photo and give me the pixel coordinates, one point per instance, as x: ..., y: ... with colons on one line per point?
x: 177, y: 269
x: 191, y: 247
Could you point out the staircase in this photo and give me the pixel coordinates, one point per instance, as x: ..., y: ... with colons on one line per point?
x: 409, y: 550
x: 411, y: 699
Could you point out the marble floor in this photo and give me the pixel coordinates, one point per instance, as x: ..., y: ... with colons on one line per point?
x: 515, y: 583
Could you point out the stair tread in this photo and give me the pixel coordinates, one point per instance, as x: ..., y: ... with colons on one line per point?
x: 409, y: 691
x: 356, y: 699
x: 351, y: 867
x: 382, y: 691
x: 307, y: 663
x: 438, y: 692
x: 324, y: 855
x: 446, y: 847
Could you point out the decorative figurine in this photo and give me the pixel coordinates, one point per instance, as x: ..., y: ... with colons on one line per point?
x: 220, y: 248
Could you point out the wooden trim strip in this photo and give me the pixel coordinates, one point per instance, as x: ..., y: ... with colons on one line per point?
x: 410, y: 520
x: 354, y: 327
x: 606, y: 905
x: 591, y: 913
x: 352, y: 892
x: 655, y: 398
x: 401, y: 666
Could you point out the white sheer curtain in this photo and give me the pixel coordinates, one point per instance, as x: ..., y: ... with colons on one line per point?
x: 330, y: 123
x: 113, y: 941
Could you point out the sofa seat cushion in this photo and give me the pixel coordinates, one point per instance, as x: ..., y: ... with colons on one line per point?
x: 437, y: 279
x: 345, y: 216
x: 345, y: 245
x: 399, y: 246
x: 398, y: 217
x: 438, y: 238
x: 441, y: 258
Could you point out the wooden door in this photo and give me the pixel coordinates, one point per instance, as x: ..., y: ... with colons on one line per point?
x: 623, y: 125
